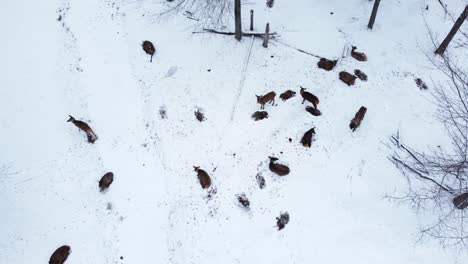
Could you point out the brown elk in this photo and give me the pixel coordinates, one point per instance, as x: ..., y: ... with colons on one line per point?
x: 263, y: 99
x: 356, y: 121
x: 309, y: 97
x: 106, y: 181
x: 358, y: 55
x: 243, y: 200
x: 203, y: 177
x: 306, y: 140
x: 313, y: 111
x: 92, y: 137
x: 326, y: 64
x: 347, y: 78
x: 148, y: 47
x: 260, y: 115
x: 361, y: 75
x: 287, y: 95
x: 60, y: 255
x: 282, y: 221
x: 279, y: 169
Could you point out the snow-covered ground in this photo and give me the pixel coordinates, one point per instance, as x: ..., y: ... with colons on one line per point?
x: 84, y: 58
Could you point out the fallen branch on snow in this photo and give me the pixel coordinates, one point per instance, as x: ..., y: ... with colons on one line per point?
x: 245, y: 34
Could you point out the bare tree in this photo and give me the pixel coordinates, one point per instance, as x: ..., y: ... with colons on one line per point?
x: 456, y: 27
x: 438, y: 179
x: 237, y: 18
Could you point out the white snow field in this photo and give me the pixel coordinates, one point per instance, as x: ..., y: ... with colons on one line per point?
x: 84, y: 58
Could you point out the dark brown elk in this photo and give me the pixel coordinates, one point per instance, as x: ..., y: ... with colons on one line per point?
x: 148, y: 47
x: 243, y: 200
x: 361, y: 75
x: 306, y: 140
x: 358, y: 55
x: 347, y: 78
x: 83, y: 126
x: 282, y: 221
x: 267, y: 98
x: 60, y: 255
x: 326, y: 64
x: 461, y: 201
x: 309, y: 97
x: 259, y: 115
x: 287, y: 95
x: 106, y: 181
x: 203, y: 177
x: 313, y: 111
x: 356, y: 121
x: 279, y: 169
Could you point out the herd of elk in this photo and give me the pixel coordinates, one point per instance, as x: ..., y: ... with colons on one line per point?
x: 84, y: 127
x: 203, y: 177
x: 267, y: 98
x: 356, y: 121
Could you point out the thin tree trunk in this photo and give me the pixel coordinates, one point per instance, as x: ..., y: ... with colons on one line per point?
x: 251, y: 19
x: 237, y: 15
x: 441, y: 49
x: 267, y: 35
x: 374, y: 14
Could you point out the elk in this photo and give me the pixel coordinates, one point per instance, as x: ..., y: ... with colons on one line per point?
x: 326, y: 64
x: 313, y: 111
x: 203, y: 177
x: 309, y: 97
x: 358, y: 55
x: 260, y: 115
x: 356, y: 121
x: 279, y: 169
x: 287, y: 95
x: 306, y: 140
x: 347, y: 78
x: 60, y: 255
x: 263, y: 99
x: 282, y: 220
x: 148, y: 47
x: 243, y: 200
x: 83, y: 126
x: 361, y: 75
x: 106, y: 181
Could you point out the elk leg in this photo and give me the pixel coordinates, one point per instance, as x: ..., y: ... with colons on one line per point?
x: 303, y: 100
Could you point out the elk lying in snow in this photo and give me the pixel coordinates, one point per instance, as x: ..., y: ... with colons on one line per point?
x: 83, y: 126
x: 358, y: 55
x: 148, y: 47
x: 309, y: 97
x: 242, y: 198
x: 306, y: 140
x: 203, y: 177
x: 259, y: 115
x: 282, y: 220
x: 358, y: 118
x: 279, y: 169
x: 326, y: 64
x: 286, y: 95
x: 461, y: 201
x: 361, y: 75
x: 269, y: 97
x: 313, y: 111
x: 60, y: 255
x: 347, y: 78
x: 106, y: 181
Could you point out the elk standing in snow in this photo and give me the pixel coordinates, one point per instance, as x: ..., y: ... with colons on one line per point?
x: 106, y: 181
x: 60, y: 255
x: 83, y: 126
x: 148, y: 47
x: 358, y: 55
x: 309, y: 97
x: 286, y: 95
x: 306, y: 140
x: 269, y: 97
x: 203, y: 177
x: 279, y: 169
x: 347, y: 78
x: 326, y: 64
x: 356, y: 121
